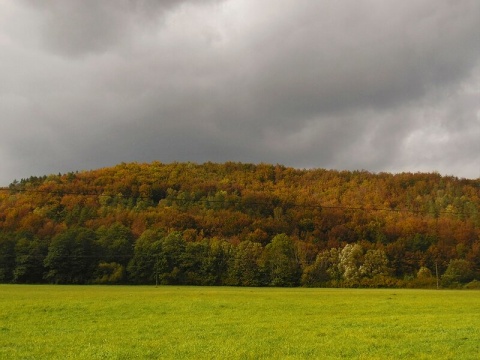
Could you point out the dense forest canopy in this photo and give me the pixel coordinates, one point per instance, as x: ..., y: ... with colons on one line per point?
x: 240, y: 224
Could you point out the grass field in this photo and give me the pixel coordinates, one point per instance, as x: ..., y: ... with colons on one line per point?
x: 126, y: 322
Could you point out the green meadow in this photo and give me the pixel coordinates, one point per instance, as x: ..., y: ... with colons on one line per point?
x: 126, y: 322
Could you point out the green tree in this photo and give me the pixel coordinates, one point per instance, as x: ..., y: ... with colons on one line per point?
x: 192, y: 264
x: 281, y: 262
x: 29, y: 260
x: 245, y: 268
x: 115, y: 244
x: 7, y: 258
x: 146, y: 261
x: 214, y: 261
x: 158, y: 258
x: 319, y: 273
x: 71, y: 257
x: 171, y: 268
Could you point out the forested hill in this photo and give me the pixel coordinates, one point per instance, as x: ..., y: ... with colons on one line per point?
x: 240, y: 224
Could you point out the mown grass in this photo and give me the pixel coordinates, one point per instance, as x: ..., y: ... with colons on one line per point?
x: 126, y: 322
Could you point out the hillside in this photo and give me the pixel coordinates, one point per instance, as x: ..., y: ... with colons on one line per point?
x: 240, y: 224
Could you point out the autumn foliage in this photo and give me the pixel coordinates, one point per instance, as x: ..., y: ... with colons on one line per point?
x: 240, y: 224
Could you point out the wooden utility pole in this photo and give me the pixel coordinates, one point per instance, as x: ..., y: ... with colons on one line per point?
x: 156, y: 271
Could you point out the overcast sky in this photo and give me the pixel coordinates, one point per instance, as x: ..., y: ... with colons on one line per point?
x: 378, y: 85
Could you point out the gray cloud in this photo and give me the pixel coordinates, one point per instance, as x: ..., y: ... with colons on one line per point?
x: 80, y: 27
x: 367, y: 84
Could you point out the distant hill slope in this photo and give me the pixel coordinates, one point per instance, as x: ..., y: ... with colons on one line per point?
x: 417, y: 220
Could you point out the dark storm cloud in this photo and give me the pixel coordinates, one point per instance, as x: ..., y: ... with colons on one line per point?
x: 337, y: 58
x: 376, y: 85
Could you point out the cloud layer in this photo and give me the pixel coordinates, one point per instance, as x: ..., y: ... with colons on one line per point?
x: 369, y: 84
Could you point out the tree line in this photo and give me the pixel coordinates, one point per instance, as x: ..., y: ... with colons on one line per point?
x: 241, y: 225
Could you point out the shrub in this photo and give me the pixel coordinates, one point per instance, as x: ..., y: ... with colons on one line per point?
x: 109, y: 273
x: 458, y: 271
x: 473, y: 285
